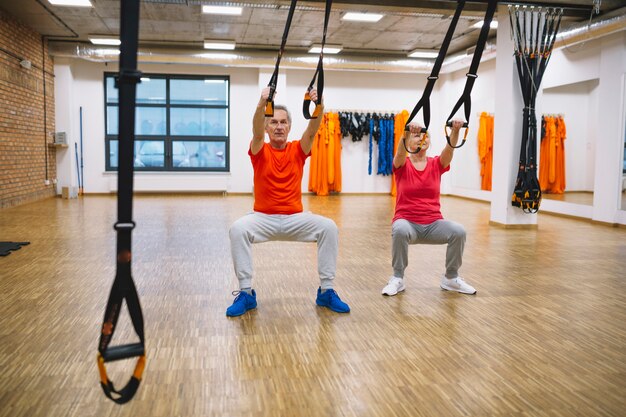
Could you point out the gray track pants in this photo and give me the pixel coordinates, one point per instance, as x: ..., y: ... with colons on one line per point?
x: 405, y: 233
x: 300, y: 227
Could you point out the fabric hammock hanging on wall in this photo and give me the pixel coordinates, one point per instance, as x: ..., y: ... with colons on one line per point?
x: 325, y: 167
x: 552, y: 155
x: 485, y: 150
x: 398, y: 132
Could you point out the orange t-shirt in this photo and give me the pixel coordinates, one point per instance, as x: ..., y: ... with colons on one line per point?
x: 278, y: 178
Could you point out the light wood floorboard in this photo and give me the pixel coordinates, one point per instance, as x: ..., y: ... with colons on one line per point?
x: 544, y: 336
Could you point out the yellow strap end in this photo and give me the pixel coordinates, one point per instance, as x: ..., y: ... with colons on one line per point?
x: 141, y: 364
x: 316, y: 112
x: 103, y: 372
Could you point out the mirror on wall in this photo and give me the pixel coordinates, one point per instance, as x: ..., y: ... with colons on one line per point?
x: 568, y: 138
x: 622, y: 200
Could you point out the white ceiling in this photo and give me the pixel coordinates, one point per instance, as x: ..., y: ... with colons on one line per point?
x: 407, y: 25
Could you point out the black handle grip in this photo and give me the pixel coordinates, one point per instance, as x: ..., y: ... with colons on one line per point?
x: 408, y: 129
x: 116, y: 353
x: 449, y: 124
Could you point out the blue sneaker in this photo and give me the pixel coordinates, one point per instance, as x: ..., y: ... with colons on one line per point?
x: 331, y: 300
x: 243, y: 302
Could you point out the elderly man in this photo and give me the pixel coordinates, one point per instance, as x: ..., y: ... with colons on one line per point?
x: 278, y: 167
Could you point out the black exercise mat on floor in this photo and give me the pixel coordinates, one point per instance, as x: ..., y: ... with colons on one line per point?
x: 7, y: 247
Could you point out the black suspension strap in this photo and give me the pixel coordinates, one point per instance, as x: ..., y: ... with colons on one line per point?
x: 534, y: 33
x: 319, y: 73
x: 269, y: 107
x: 123, y: 286
x: 424, y: 101
x: 466, y: 97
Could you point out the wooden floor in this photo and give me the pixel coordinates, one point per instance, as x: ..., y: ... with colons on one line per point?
x: 544, y: 336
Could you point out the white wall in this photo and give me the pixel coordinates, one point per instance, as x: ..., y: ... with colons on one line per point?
x: 66, y: 157
x: 343, y: 90
x: 86, y: 88
x: 570, y: 73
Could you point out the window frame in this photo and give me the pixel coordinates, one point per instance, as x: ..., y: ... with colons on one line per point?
x: 168, y: 138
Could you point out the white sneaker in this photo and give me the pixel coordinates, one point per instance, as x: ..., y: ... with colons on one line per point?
x: 456, y: 284
x: 394, y: 286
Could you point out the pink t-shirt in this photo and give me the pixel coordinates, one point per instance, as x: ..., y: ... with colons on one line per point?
x: 417, y: 199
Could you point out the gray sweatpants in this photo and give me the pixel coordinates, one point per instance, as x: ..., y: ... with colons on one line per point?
x: 258, y: 227
x: 405, y: 233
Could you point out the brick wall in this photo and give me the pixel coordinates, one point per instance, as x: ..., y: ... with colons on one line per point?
x: 24, y: 152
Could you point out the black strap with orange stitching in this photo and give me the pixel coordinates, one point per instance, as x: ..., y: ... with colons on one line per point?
x: 424, y: 101
x: 269, y: 107
x: 466, y: 97
x: 319, y: 74
x: 123, y: 286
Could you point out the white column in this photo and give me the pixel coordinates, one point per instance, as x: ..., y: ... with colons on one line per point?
x: 66, y: 165
x: 507, y: 130
x: 610, y: 133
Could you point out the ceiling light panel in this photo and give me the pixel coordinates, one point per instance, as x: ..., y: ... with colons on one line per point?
x: 328, y: 49
x: 217, y: 44
x: 362, y: 17
x: 75, y: 3
x: 223, y: 10
x: 104, y: 40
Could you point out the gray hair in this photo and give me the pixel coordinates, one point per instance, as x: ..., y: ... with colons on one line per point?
x: 285, y: 109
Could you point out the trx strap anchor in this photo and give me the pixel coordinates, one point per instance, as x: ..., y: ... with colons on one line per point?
x: 424, y: 101
x: 534, y: 33
x: 319, y: 74
x: 123, y: 286
x: 269, y: 107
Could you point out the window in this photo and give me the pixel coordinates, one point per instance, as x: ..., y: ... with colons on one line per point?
x: 181, y: 123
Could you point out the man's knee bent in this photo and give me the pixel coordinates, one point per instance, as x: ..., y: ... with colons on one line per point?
x: 237, y: 230
x: 328, y: 226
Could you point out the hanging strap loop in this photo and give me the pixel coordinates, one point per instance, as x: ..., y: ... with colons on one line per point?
x: 466, y: 97
x: 269, y: 107
x: 319, y: 74
x: 123, y: 288
x: 424, y: 102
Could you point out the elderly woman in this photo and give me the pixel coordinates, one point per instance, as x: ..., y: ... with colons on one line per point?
x: 418, y: 218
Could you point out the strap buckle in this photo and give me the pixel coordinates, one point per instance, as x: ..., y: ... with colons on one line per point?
x: 124, y: 226
x: 127, y: 76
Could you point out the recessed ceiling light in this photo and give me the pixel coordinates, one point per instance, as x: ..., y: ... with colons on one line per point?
x: 76, y: 3
x: 362, y: 17
x: 423, y: 53
x: 316, y: 48
x: 492, y: 25
x: 216, y: 44
x: 104, y: 40
x: 229, y: 10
